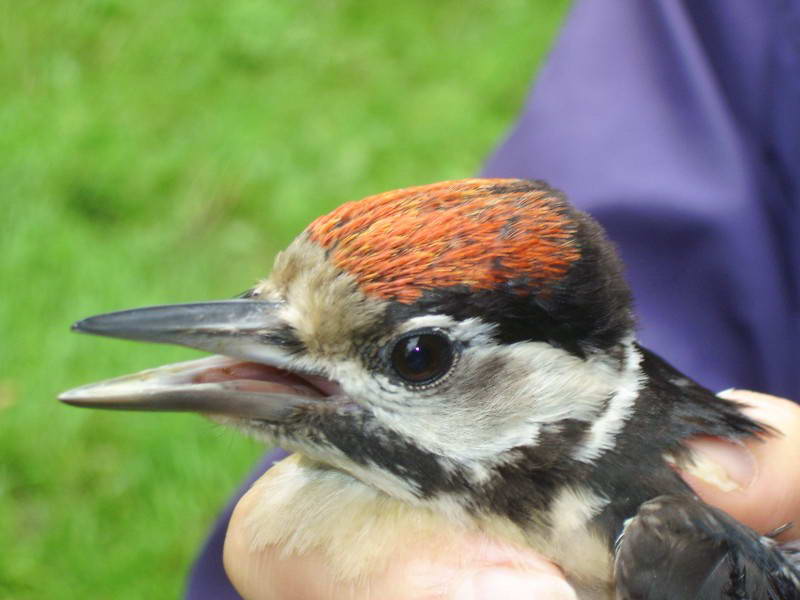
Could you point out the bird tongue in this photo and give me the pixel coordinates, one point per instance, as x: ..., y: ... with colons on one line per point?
x: 256, y: 377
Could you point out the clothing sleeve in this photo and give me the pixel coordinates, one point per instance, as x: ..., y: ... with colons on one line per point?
x: 675, y: 123
x: 670, y: 122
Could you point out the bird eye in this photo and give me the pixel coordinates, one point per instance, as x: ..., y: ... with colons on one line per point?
x: 422, y: 358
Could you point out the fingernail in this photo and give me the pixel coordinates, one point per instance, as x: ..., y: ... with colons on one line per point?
x: 509, y: 584
x: 727, y: 465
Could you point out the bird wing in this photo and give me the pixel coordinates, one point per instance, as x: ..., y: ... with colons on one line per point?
x: 677, y: 547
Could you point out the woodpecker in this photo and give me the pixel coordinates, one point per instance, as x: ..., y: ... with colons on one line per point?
x: 460, y: 356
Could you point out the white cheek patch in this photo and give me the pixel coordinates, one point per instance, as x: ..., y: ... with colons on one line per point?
x: 502, y: 397
x: 559, y: 385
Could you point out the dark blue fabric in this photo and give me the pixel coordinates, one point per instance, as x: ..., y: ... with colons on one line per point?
x: 677, y: 124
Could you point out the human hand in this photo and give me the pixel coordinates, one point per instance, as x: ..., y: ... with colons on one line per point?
x: 765, y: 495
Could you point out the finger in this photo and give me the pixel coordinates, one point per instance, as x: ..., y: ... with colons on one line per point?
x: 759, y: 482
x: 477, y: 569
x: 271, y: 577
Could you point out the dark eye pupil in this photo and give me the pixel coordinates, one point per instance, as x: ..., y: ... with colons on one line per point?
x: 422, y: 358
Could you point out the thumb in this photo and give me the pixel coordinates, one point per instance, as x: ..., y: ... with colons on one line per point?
x: 757, y: 482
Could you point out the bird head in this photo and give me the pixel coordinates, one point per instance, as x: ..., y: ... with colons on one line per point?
x: 428, y: 341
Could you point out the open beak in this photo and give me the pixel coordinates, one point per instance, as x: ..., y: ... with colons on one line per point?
x: 246, y: 379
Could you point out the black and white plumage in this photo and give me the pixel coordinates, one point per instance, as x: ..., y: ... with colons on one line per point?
x: 460, y: 356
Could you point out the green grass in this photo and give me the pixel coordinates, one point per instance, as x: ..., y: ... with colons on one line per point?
x: 156, y: 152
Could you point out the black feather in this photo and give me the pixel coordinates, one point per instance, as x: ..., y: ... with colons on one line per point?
x: 677, y: 547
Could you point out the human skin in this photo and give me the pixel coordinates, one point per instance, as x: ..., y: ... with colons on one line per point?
x: 767, y: 497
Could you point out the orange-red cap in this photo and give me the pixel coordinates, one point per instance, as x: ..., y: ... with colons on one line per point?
x: 478, y: 233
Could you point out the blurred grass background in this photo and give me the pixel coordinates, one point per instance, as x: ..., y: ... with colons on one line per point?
x: 155, y: 152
